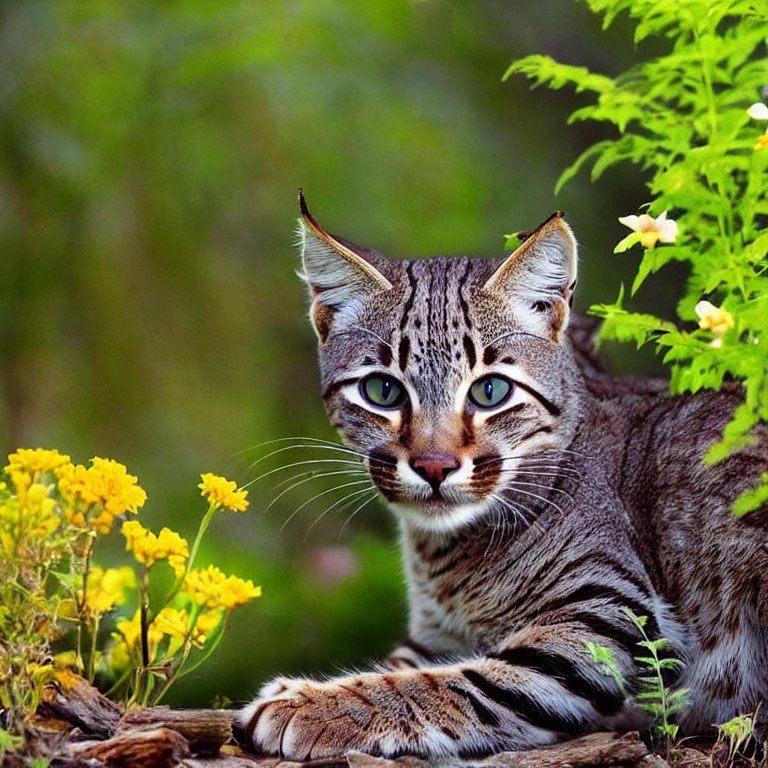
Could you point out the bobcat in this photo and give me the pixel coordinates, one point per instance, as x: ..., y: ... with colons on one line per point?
x: 537, y: 497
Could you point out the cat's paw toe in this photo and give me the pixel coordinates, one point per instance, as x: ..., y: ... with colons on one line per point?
x: 302, y: 720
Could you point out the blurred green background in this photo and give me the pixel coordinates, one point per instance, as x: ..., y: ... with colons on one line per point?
x: 150, y: 154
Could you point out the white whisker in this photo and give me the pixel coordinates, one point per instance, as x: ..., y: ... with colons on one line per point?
x: 309, y: 479
x: 343, y: 502
x: 314, y: 473
x: 357, y: 509
x: 301, y: 464
x: 317, y: 496
x: 513, y: 487
x: 515, y: 483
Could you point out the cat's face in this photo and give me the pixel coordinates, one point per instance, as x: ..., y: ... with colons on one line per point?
x: 450, y: 375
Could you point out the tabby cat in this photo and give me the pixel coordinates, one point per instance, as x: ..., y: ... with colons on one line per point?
x: 537, y: 497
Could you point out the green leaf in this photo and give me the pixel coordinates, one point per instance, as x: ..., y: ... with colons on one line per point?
x: 752, y: 500
x: 545, y: 70
x: 627, y: 242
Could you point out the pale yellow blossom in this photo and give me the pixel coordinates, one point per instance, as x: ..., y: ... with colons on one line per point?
x: 759, y: 111
x: 651, y: 231
x: 712, y: 318
x: 221, y: 492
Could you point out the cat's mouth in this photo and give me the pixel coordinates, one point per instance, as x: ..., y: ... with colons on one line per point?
x: 439, y: 515
x: 400, y: 486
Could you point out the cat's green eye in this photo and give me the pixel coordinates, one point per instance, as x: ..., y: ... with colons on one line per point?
x: 382, y: 391
x: 490, y: 391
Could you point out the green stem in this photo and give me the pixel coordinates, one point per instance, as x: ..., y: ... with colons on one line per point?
x: 120, y: 680
x: 142, y: 674
x: 92, y: 655
x: 179, y: 582
x: 208, y: 651
x: 175, y: 676
x: 204, y: 523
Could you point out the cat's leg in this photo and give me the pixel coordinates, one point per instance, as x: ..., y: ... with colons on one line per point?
x: 541, y: 686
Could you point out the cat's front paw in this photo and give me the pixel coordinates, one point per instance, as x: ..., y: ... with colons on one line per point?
x: 307, y: 720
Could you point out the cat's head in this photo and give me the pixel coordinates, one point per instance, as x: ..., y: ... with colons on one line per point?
x: 451, y: 374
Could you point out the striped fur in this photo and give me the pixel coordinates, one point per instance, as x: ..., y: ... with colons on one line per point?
x: 580, y: 495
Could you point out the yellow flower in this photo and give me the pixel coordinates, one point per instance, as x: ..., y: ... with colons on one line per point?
x: 107, y: 483
x: 40, y: 512
x: 205, y: 586
x: 119, y: 655
x: 762, y: 142
x: 7, y: 544
x: 35, y: 460
x: 652, y: 230
x: 148, y: 548
x: 213, y: 589
x: 65, y: 660
x: 107, y: 588
x: 172, y: 622
x: 206, y: 622
x: 221, y: 492
x: 130, y: 629
x: 21, y: 481
x: 238, y: 592
x: 713, y: 318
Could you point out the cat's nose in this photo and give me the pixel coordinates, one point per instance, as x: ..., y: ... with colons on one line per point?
x: 434, y: 467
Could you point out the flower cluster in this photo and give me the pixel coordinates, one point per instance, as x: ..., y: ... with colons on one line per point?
x: 35, y: 461
x: 106, y: 485
x: 108, y: 588
x: 212, y: 589
x: 148, y: 547
x: 221, y: 492
x: 52, y: 514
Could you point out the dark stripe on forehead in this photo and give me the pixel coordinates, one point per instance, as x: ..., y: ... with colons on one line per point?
x: 403, y: 350
x: 462, y: 300
x: 489, y: 355
x: 469, y: 348
x: 385, y: 354
x: 411, y: 296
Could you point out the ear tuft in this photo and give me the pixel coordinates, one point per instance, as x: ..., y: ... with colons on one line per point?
x: 340, y: 275
x: 539, y: 277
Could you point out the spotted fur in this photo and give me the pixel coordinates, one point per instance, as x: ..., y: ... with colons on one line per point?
x: 525, y: 528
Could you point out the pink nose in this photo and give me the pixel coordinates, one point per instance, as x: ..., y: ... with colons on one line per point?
x: 434, y: 467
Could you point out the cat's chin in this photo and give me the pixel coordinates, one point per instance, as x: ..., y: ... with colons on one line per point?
x: 435, y: 516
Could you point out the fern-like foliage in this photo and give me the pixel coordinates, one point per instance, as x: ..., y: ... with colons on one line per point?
x: 682, y: 119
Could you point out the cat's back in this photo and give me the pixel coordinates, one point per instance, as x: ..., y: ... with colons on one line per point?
x: 680, y: 505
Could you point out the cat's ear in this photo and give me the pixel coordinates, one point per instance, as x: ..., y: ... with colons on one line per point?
x: 341, y: 275
x: 539, y: 277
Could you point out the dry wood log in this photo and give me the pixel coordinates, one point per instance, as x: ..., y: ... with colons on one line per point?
x: 596, y: 749
x: 205, y: 729
x: 159, y: 748
x: 71, y: 699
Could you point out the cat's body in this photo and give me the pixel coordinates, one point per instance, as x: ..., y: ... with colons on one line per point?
x: 529, y: 518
